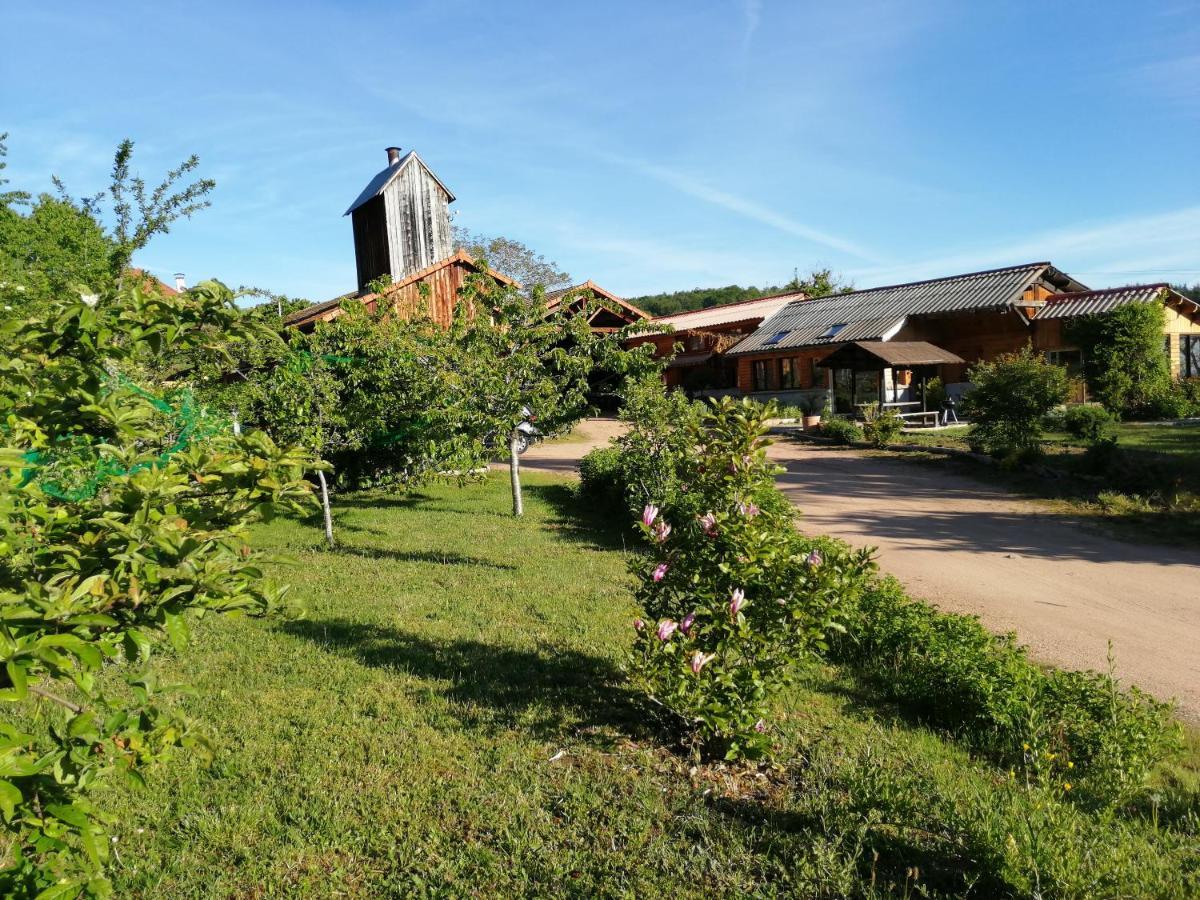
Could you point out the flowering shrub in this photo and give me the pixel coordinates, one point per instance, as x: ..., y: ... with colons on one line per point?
x: 735, y: 598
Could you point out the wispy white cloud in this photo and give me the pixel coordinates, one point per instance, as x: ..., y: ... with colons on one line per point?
x: 751, y: 17
x: 743, y: 206
x: 1157, y: 246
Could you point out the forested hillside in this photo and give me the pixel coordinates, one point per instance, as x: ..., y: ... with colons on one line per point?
x: 818, y: 283
x: 699, y: 298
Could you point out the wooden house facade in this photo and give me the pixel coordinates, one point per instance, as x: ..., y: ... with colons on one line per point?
x: 433, y: 290
x: 697, y: 341
x: 939, y: 327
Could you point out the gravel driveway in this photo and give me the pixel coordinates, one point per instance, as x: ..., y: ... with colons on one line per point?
x: 971, y: 547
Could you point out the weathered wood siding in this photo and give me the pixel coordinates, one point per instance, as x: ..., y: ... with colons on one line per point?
x: 418, y: 221
x: 371, y: 241
x: 439, y: 296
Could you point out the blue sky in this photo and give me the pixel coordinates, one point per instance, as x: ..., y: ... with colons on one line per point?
x: 648, y: 146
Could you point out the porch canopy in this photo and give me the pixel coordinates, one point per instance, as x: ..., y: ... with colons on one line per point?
x: 874, y: 360
x: 875, y: 356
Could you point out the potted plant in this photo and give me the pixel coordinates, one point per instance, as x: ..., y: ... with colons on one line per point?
x: 813, y: 406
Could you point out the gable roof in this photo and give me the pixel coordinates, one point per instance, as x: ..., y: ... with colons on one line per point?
x: 555, y: 298
x: 1066, y: 306
x: 878, y: 313
x: 382, y: 179
x: 306, y: 315
x: 727, y: 313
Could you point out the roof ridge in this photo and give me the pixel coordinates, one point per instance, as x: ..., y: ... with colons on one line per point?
x: 1063, y: 296
x: 904, y: 284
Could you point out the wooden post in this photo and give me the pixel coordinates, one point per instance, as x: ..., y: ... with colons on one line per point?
x: 325, y: 508
x: 514, y: 470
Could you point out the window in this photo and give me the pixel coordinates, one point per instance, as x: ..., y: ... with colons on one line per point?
x: 788, y: 373
x: 1071, y: 360
x: 776, y: 337
x: 1189, y: 355
x: 831, y: 331
x: 760, y: 375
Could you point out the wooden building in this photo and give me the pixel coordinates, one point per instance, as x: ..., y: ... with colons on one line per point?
x: 609, y: 312
x: 1181, y: 336
x: 434, y: 289
x: 700, y: 339
x: 938, y: 327
x: 401, y: 223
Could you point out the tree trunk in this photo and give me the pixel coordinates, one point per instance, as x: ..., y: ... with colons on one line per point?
x: 325, y: 508
x: 514, y: 469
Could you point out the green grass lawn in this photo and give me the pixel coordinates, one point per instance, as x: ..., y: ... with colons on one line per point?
x: 1177, y: 442
x: 449, y: 720
x: 1149, y: 500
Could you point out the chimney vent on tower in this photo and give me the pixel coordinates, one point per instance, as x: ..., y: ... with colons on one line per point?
x: 180, y: 283
x: 393, y: 155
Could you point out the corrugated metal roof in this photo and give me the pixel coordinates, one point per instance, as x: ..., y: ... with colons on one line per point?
x: 727, y: 313
x: 875, y: 312
x: 382, y: 179
x: 1066, y: 306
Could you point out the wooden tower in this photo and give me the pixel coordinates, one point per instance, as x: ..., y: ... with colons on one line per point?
x: 401, y: 220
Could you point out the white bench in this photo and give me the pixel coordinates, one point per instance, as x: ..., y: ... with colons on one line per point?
x: 928, y: 418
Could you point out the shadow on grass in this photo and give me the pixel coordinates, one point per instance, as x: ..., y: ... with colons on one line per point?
x: 435, y: 557
x: 889, y: 851
x: 549, y: 694
x: 579, y: 521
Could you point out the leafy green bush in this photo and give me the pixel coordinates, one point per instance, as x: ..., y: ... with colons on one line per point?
x: 659, y: 435
x: 950, y: 671
x: 935, y: 393
x: 735, y: 600
x: 842, y: 430
x: 1089, y: 423
x: 1008, y: 400
x: 1124, y: 362
x: 151, y: 531
x: 601, y: 477
x: 882, y: 428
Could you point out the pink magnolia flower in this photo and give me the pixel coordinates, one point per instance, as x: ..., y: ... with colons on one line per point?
x: 649, y: 514
x: 638, y: 624
x: 814, y: 559
x: 749, y: 509
x: 660, y: 571
x: 700, y: 660
x: 662, y: 530
x: 666, y: 628
x: 708, y: 522
x: 736, y: 601
x: 688, y: 621
x: 760, y: 726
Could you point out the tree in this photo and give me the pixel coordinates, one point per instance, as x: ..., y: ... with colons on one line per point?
x: 140, y: 216
x: 1009, y: 398
x: 63, y: 242
x: 511, y: 258
x: 123, y: 510
x: 819, y: 283
x: 1123, y: 358
x: 517, y: 358
x: 56, y: 248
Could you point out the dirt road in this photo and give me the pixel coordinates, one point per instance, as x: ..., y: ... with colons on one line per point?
x: 971, y: 547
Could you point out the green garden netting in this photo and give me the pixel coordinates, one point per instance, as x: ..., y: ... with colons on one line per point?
x: 74, y: 469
